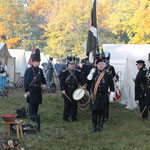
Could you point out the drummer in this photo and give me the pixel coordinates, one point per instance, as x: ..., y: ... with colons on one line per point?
x: 101, y: 81
x: 70, y: 80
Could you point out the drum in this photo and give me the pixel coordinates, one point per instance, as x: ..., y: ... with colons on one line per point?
x: 82, y: 97
x: 118, y: 94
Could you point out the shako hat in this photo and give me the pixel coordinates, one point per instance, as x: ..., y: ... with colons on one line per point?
x: 71, y: 59
x: 36, y: 56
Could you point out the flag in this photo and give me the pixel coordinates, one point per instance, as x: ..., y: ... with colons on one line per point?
x: 92, y: 41
x: 30, y: 60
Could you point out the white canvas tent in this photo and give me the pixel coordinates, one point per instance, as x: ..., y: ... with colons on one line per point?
x: 20, y: 60
x: 123, y: 58
x: 8, y: 60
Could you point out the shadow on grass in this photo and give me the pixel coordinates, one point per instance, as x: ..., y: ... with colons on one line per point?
x: 124, y: 131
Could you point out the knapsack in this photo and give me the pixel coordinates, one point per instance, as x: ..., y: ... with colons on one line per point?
x: 2, y: 70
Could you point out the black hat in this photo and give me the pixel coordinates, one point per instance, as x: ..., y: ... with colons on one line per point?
x: 64, y: 60
x: 83, y: 60
x: 71, y: 59
x: 36, y: 56
x: 77, y: 60
x: 51, y: 59
x: 100, y: 60
x: 106, y: 55
x: 140, y: 62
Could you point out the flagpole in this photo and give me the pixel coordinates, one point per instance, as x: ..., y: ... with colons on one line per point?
x: 92, y: 41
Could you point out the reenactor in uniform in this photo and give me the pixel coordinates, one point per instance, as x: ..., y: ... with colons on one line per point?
x: 148, y: 88
x: 83, y: 61
x: 49, y: 73
x: 110, y: 70
x: 148, y: 85
x: 86, y: 67
x: 63, y: 64
x: 140, y: 87
x: 33, y: 79
x: 70, y: 80
x: 77, y: 66
x: 100, y: 82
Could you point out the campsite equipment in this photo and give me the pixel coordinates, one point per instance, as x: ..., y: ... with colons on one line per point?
x: 16, y: 123
x: 9, y: 117
x: 29, y: 128
x: 26, y: 128
x: 21, y: 112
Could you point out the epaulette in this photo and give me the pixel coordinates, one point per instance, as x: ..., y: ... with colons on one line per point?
x: 144, y: 69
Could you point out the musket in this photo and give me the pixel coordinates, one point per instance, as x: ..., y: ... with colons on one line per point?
x: 138, y: 115
x: 143, y: 110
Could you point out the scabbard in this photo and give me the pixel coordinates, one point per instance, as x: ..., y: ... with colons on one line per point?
x: 93, y: 97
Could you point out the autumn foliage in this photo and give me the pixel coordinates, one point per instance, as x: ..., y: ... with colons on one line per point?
x: 56, y: 26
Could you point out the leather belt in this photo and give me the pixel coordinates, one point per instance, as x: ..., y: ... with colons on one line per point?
x: 101, y: 94
x: 70, y: 86
x: 36, y: 85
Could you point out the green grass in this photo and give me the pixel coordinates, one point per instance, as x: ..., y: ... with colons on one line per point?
x: 124, y: 132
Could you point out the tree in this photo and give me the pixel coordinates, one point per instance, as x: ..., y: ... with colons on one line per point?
x: 8, y: 18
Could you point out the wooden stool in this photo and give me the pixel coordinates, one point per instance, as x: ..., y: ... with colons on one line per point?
x: 18, y: 125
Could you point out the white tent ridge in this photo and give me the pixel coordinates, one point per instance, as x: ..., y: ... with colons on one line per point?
x: 20, y: 60
x: 123, y: 58
x: 9, y: 61
x: 123, y: 51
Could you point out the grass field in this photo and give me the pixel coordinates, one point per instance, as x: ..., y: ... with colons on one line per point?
x: 124, y: 132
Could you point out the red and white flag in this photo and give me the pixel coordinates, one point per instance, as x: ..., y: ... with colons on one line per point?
x: 30, y: 60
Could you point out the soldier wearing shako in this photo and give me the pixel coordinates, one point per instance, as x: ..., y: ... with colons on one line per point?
x: 140, y: 87
x: 110, y: 70
x: 148, y: 87
x: 70, y: 80
x: 100, y: 82
x: 86, y: 67
x: 33, y: 79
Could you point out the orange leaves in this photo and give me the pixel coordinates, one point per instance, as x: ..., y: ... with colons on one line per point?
x: 63, y: 24
x: 11, y: 43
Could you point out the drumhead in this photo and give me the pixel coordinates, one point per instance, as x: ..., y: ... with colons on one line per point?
x: 78, y: 94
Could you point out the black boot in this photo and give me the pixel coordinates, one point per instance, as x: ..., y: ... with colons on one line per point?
x: 101, y: 125
x: 94, y: 128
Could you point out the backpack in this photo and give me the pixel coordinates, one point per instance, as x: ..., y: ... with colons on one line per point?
x: 2, y: 70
